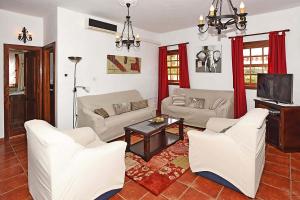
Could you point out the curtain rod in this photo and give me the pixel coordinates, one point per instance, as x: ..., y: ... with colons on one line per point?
x: 175, y: 44
x: 285, y: 30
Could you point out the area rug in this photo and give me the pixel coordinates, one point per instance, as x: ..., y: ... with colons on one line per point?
x: 163, y: 169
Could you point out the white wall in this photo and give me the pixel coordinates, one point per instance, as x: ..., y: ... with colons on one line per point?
x: 11, y: 24
x: 74, y: 39
x: 259, y: 23
x: 50, y: 27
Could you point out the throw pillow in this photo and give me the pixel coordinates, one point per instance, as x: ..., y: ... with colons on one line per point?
x: 196, y: 103
x: 217, y: 103
x: 101, y: 112
x: 122, y: 108
x: 178, y: 100
x: 136, y: 105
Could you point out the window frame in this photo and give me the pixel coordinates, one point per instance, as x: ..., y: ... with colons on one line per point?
x: 171, y: 53
x: 252, y: 45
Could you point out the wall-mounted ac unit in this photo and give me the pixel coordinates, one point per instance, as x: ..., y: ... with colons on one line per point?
x: 101, y: 26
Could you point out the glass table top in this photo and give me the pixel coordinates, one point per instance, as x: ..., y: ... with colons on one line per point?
x: 149, y: 126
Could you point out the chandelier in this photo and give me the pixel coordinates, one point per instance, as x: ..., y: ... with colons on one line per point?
x: 221, y: 21
x: 128, y: 38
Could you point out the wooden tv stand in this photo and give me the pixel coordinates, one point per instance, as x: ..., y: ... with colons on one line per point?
x: 283, y: 125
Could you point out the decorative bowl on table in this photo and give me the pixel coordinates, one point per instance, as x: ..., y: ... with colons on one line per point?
x: 157, y: 120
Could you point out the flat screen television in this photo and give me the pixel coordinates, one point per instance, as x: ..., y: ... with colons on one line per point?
x: 275, y: 87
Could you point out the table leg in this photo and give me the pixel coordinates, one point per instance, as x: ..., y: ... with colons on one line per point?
x: 181, y: 137
x: 127, y: 139
x: 147, y: 147
x: 163, y: 138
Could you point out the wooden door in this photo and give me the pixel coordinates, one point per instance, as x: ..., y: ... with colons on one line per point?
x: 49, y: 83
x: 31, y: 69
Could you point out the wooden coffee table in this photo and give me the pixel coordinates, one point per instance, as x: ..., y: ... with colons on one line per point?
x: 155, y: 136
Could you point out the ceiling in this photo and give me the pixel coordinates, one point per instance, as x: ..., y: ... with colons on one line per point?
x: 152, y: 15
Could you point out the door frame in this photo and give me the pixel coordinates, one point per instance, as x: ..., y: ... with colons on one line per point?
x: 46, y: 79
x: 7, y: 116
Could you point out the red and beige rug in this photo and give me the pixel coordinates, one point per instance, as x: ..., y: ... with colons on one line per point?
x: 163, y: 169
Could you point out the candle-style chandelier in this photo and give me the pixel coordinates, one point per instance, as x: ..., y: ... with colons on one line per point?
x: 128, y: 39
x: 221, y: 21
x: 24, y: 35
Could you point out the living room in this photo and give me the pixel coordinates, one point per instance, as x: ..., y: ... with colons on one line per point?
x: 155, y: 24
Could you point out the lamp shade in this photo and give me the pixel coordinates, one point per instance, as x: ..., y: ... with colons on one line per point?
x: 75, y: 59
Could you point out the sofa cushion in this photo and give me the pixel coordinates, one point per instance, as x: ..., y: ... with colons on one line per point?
x: 106, y: 101
x: 196, y: 103
x: 220, y: 101
x: 178, y: 100
x: 191, y: 115
x: 122, y: 108
x: 128, y: 118
x: 136, y: 105
x: 101, y: 112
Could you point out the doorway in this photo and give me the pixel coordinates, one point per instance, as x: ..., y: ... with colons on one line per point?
x: 24, y: 87
x: 49, y: 83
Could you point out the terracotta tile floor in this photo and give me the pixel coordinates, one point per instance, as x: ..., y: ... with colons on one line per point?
x: 280, y: 180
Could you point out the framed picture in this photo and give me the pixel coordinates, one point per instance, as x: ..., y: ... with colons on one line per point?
x: 209, y: 59
x: 123, y: 65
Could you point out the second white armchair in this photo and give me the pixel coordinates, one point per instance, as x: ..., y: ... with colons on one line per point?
x: 231, y: 152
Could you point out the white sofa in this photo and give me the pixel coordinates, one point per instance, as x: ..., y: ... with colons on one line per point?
x: 112, y: 127
x: 72, y: 164
x: 238, y: 155
x: 199, y: 117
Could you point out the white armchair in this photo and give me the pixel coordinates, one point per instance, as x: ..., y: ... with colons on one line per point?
x: 234, y: 158
x: 72, y: 164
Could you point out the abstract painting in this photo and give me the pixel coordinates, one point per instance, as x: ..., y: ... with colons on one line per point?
x: 209, y: 59
x: 123, y: 65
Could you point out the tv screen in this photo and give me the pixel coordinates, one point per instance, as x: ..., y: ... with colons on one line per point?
x: 276, y: 87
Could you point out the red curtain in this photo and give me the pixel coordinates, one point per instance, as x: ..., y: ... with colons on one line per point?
x: 184, y: 81
x: 163, y: 87
x: 240, y: 103
x: 277, y: 54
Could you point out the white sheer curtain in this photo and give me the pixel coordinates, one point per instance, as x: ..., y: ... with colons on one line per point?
x: 20, y: 78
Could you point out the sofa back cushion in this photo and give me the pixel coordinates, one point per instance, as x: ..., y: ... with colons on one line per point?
x: 210, y: 96
x: 106, y: 101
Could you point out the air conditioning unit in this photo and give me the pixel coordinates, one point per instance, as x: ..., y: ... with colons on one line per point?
x: 101, y: 26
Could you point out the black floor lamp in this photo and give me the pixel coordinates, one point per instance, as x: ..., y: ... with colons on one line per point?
x: 76, y: 60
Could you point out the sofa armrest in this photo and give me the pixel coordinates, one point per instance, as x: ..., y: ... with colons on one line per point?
x: 83, y: 136
x: 152, y: 106
x: 219, y: 124
x: 87, y: 118
x: 165, y: 103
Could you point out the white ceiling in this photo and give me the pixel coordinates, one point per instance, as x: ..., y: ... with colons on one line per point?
x: 152, y: 15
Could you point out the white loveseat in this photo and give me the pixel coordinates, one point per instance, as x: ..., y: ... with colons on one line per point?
x: 237, y: 155
x: 199, y: 117
x: 113, y: 126
x: 72, y: 164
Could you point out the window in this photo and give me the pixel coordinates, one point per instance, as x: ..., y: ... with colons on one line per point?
x: 255, y: 61
x: 173, y: 67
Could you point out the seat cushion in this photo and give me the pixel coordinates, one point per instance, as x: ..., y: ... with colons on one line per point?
x: 192, y: 116
x: 127, y: 118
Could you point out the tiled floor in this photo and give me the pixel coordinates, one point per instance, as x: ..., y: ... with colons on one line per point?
x: 280, y: 180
